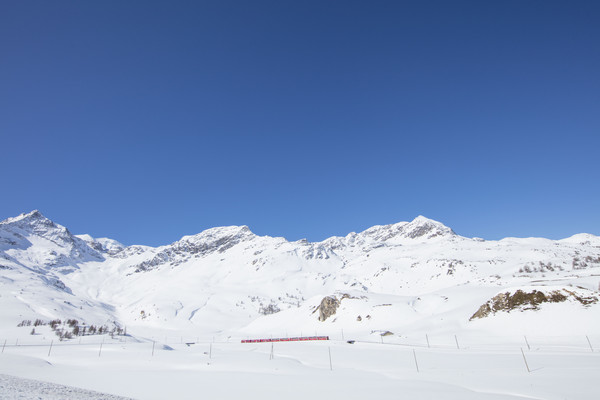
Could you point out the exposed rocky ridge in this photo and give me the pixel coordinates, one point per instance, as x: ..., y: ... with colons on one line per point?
x: 523, y: 300
x: 210, y: 241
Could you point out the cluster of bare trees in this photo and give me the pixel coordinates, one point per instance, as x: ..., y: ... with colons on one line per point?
x: 71, y: 328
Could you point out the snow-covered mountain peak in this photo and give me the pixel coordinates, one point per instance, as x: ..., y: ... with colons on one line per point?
x: 188, y: 247
x: 32, y: 218
x: 422, y: 227
x: 381, y: 233
x: 39, y: 242
x: 34, y: 223
x: 214, y: 239
x: 103, y: 245
x: 419, y: 228
x: 583, y: 238
x: 220, y: 232
x: 422, y: 220
x: 29, y: 215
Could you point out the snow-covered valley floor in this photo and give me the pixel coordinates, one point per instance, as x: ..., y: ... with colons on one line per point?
x: 475, y: 368
x: 12, y: 387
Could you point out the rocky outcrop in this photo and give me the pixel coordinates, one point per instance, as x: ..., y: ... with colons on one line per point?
x: 328, y: 307
x: 522, y: 300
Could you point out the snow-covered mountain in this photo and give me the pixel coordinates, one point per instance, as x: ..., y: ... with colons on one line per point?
x: 34, y: 241
x: 398, y: 277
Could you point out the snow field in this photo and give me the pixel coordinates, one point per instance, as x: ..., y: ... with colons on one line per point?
x: 28, y: 389
x: 561, y: 367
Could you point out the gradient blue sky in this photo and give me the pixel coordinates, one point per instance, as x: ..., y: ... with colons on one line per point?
x: 144, y: 121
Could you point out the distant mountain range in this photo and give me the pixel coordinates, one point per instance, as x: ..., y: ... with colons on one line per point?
x: 406, y: 276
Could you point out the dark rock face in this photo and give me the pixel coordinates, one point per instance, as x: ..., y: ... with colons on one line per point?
x: 522, y: 301
x: 328, y: 307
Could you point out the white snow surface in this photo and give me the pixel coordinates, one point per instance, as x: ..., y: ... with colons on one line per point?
x: 418, y: 282
x: 12, y: 387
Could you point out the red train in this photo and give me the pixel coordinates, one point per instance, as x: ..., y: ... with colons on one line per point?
x: 293, y: 339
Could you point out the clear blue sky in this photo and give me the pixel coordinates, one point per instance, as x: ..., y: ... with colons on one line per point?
x: 144, y: 121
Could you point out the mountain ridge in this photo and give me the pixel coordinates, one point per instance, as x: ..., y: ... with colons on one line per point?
x: 418, y: 227
x: 230, y: 278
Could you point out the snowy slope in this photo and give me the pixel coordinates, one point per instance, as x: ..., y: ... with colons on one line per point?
x: 29, y: 389
x: 36, y: 255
